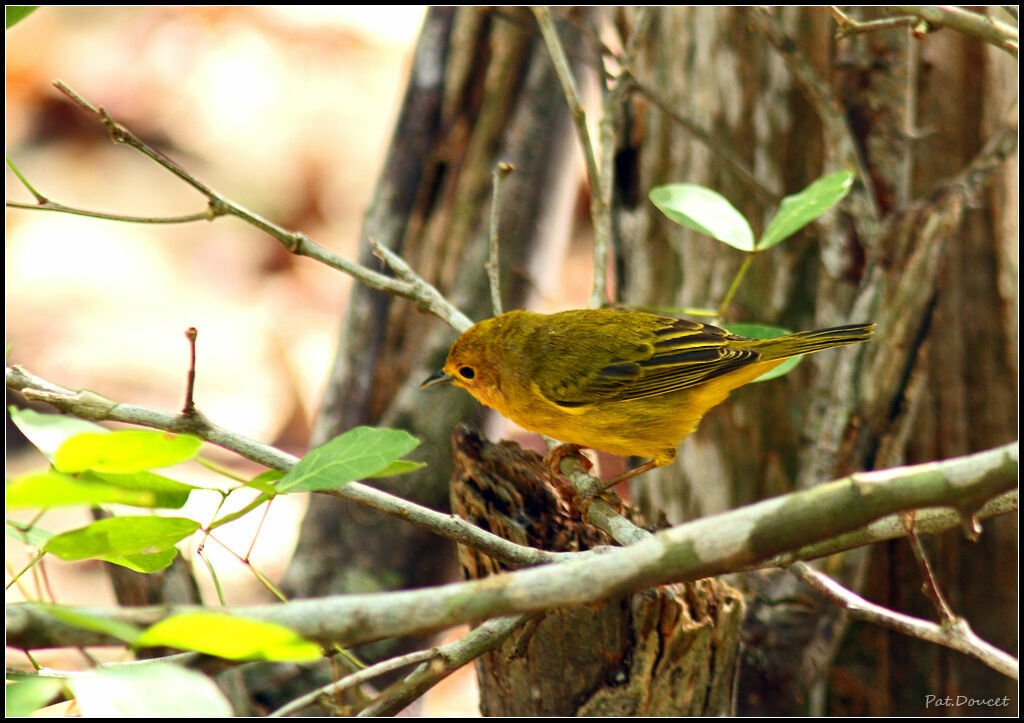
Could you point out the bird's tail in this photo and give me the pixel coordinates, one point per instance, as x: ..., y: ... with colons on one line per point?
x: 805, y: 342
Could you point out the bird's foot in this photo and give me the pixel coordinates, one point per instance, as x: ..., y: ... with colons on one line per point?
x: 583, y: 500
x: 556, y: 454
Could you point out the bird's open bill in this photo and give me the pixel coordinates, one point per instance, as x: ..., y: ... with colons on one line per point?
x: 435, y: 378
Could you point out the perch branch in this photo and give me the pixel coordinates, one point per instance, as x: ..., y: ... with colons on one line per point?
x: 741, y: 538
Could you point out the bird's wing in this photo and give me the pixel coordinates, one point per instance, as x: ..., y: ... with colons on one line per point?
x: 674, y: 354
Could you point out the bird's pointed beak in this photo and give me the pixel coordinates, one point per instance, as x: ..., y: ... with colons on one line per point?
x: 435, y: 378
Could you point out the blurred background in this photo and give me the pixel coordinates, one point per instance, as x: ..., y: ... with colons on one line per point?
x: 286, y: 111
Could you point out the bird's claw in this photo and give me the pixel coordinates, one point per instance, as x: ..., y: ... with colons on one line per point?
x: 553, y: 459
x: 583, y: 500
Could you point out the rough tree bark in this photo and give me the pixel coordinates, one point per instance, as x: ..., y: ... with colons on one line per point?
x: 670, y: 650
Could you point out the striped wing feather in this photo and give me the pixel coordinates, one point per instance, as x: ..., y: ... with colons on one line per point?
x: 683, y: 354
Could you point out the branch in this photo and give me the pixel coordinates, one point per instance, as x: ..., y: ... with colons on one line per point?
x: 600, y: 209
x: 925, y: 18
x: 929, y: 521
x: 482, y: 639
x: 92, y: 406
x: 412, y: 286
x: 956, y: 634
x: 999, y: 34
x: 437, y: 664
x: 501, y: 170
x: 751, y: 536
x: 839, y: 137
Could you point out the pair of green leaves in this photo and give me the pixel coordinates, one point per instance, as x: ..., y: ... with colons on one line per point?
x: 708, y: 212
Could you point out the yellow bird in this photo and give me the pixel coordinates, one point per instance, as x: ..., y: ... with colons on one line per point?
x: 631, y: 383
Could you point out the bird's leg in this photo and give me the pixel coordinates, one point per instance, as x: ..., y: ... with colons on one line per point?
x: 582, y: 501
x: 559, y: 452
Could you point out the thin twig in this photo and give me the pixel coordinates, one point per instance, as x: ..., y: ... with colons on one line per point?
x: 735, y: 285
x: 926, y: 18
x: 600, y: 210
x: 930, y: 586
x: 453, y: 656
x: 48, y: 205
x: 357, y: 678
x: 500, y: 172
x: 849, y: 26
x: 992, y: 31
x: 840, y: 142
x: 190, y: 404
x: 956, y: 634
x: 910, y: 130
x: 92, y: 406
x: 420, y: 290
x: 609, y: 130
x: 411, y: 286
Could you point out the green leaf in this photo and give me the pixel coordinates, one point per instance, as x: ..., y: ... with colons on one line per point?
x: 119, y: 537
x: 145, y: 562
x: 801, y: 208
x: 229, y: 637
x: 704, y: 211
x: 148, y: 690
x: 166, y: 492
x: 79, y: 619
x: 129, y: 450
x: 51, y: 488
x: 33, y: 536
x: 16, y: 13
x: 358, y: 453
x: 764, y: 331
x: 49, y: 431
x: 264, y: 482
x: 25, y: 696
x: 399, y: 466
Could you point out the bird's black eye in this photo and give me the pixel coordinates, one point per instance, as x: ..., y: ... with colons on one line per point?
x: 466, y: 372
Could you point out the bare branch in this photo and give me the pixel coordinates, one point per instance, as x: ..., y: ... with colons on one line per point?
x: 453, y: 656
x: 968, y: 22
x: 931, y: 585
x: 501, y: 170
x: 412, y: 286
x: 955, y: 634
x: 600, y: 210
